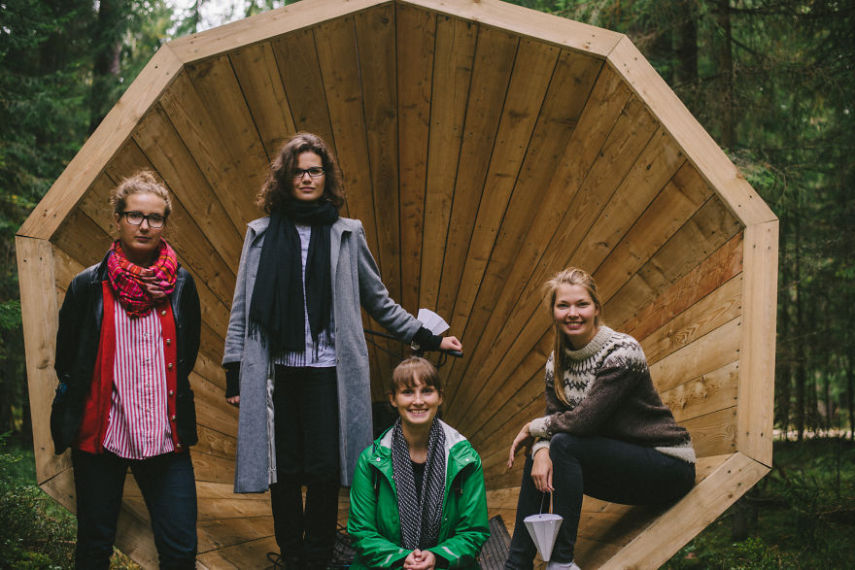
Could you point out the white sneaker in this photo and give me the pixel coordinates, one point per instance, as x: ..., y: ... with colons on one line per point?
x: 562, y: 566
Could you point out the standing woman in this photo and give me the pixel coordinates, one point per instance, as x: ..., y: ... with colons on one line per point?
x: 295, y: 353
x: 418, y: 499
x: 606, y: 432
x: 127, y: 340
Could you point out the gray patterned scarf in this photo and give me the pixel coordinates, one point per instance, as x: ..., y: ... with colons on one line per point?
x: 420, y: 514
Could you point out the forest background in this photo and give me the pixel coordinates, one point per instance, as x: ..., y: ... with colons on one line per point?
x: 773, y: 81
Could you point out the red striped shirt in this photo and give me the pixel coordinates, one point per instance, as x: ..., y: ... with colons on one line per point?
x: 139, y: 425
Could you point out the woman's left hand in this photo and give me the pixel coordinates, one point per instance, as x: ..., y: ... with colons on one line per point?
x: 420, y: 560
x: 523, y: 438
x: 450, y: 343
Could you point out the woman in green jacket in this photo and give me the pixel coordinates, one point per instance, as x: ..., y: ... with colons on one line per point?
x: 418, y: 500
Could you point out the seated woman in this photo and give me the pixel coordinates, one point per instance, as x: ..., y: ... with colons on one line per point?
x: 606, y: 432
x: 418, y: 500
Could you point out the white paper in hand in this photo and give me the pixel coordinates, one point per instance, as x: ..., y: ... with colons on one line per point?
x: 432, y: 322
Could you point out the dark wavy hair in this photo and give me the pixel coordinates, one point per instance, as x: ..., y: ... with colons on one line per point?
x: 278, y: 190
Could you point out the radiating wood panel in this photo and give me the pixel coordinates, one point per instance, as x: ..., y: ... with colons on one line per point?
x: 483, y: 146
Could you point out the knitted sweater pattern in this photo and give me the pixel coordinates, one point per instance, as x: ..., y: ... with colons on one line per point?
x: 610, y: 393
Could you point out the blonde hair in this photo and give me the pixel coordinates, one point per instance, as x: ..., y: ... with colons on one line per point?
x: 413, y: 369
x: 142, y: 182
x: 569, y: 276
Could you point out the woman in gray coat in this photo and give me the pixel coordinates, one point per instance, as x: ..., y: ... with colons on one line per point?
x: 295, y: 354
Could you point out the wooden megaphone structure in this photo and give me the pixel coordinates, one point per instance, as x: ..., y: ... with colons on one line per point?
x: 484, y: 146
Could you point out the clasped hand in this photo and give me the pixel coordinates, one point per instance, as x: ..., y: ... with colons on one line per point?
x: 420, y: 560
x: 541, y: 470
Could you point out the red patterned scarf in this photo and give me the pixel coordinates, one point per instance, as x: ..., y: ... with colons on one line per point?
x: 140, y: 289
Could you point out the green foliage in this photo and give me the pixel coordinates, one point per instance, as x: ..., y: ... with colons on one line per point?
x: 36, y: 533
x: 805, y: 515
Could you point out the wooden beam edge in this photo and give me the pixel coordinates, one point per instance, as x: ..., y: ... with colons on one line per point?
x: 699, y: 147
x: 39, y: 316
x: 265, y: 26
x: 557, y: 30
x: 100, y: 147
x: 682, y: 522
x: 756, y: 395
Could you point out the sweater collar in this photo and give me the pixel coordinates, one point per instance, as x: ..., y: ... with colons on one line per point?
x: 593, y: 347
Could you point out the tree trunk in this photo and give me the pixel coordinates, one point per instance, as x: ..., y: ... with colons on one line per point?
x: 724, y: 67
x: 107, y: 47
x: 686, y: 45
x: 798, y: 340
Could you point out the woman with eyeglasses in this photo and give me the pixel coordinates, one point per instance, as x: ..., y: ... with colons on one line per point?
x: 296, y: 359
x: 127, y: 340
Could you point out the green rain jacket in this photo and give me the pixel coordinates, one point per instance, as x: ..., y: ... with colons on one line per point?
x: 374, y: 524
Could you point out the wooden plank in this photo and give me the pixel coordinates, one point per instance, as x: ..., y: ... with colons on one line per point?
x: 756, y: 381
x: 643, y: 184
x: 375, y: 39
x: 713, y: 434
x: 709, y: 352
x: 261, y: 84
x: 704, y: 394
x: 249, y: 555
x: 719, y: 267
x: 89, y: 161
x: 213, y: 468
x: 569, y: 89
x: 699, y: 147
x: 39, y: 316
x: 629, y: 137
x: 304, y: 87
x: 719, y: 307
x: 415, y: 42
x: 691, y: 515
x: 234, y: 182
x: 216, y: 534
x: 452, y: 74
x: 493, y: 63
x: 336, y: 43
x: 534, y: 67
x: 546, y: 27
x: 263, y: 27
x: 163, y: 146
x: 600, y: 111
x: 708, y: 230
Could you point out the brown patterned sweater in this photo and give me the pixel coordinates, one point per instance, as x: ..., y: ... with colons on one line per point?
x: 611, y: 394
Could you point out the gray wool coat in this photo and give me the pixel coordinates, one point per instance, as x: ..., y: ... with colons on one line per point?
x: 356, y: 282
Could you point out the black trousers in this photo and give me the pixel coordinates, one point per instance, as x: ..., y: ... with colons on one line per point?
x: 603, y: 468
x: 169, y: 489
x: 305, y: 402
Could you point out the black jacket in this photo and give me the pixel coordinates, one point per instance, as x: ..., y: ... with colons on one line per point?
x: 77, y: 348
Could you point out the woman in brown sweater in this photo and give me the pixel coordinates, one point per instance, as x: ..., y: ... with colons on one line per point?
x: 606, y: 432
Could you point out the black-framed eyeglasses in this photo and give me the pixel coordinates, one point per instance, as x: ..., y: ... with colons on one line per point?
x: 314, y: 172
x: 136, y: 218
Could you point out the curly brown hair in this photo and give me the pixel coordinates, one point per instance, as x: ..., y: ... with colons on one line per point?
x: 278, y: 190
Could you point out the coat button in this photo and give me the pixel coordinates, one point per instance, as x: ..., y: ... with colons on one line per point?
x: 178, y: 446
x: 168, y: 341
x: 171, y: 392
x: 169, y: 366
x: 163, y: 313
x: 172, y: 417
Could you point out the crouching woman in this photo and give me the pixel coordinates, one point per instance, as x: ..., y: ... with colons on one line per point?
x: 418, y: 500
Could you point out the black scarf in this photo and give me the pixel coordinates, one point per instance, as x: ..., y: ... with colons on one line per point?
x: 420, y: 515
x: 277, y: 299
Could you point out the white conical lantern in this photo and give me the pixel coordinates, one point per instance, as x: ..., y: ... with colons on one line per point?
x: 543, y: 529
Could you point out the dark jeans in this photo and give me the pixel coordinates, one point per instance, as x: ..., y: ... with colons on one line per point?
x: 606, y: 469
x: 305, y: 402
x: 168, y: 488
